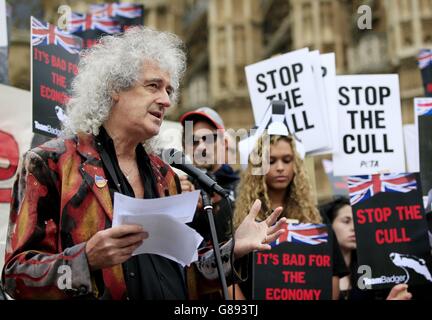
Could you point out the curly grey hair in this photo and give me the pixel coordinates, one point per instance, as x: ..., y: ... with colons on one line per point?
x: 114, y: 65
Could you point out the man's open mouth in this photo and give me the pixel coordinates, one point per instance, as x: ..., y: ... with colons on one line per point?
x: 156, y: 114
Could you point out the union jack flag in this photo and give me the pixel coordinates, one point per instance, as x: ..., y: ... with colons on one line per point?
x: 126, y: 10
x: 365, y: 187
x: 424, y: 58
x: 306, y: 233
x: 424, y: 107
x: 45, y: 34
x: 83, y: 22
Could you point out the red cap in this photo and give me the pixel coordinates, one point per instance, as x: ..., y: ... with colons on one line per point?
x: 207, y: 113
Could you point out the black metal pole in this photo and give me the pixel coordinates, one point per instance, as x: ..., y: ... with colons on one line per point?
x: 208, y: 207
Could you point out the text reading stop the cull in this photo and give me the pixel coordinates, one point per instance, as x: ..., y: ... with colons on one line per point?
x: 358, y: 96
x: 382, y: 215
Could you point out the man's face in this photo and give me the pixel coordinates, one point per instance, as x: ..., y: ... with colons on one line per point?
x: 141, y: 109
x: 207, y: 146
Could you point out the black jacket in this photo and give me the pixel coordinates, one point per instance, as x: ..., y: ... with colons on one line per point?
x: 228, y: 179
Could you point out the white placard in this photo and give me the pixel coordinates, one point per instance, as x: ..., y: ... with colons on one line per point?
x: 328, y: 87
x: 289, y: 77
x: 15, y: 138
x: 411, y: 147
x: 370, y: 125
x: 3, y: 24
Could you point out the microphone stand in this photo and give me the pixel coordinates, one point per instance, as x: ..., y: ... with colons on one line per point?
x: 208, y: 207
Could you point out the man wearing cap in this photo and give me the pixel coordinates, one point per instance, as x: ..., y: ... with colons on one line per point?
x: 206, y: 144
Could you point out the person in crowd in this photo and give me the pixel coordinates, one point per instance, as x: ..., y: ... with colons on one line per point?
x: 286, y: 184
x: 206, y: 144
x: 62, y: 203
x: 341, y: 217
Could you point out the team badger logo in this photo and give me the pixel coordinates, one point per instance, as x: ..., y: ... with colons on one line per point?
x: 412, y: 262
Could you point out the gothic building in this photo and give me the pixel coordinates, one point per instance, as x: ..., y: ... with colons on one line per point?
x: 223, y: 36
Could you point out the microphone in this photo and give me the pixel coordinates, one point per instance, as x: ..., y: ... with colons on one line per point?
x: 177, y: 159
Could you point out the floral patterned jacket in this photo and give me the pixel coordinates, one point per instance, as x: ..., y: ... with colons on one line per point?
x: 56, y: 207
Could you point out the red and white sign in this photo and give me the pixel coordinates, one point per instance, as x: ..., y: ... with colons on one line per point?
x: 15, y: 138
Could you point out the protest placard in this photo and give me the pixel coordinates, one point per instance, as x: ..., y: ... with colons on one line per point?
x: 425, y: 152
x: 126, y: 14
x: 328, y: 74
x: 90, y: 27
x: 424, y: 60
x: 54, y: 65
x: 299, y: 266
x: 15, y: 136
x: 3, y: 24
x: 391, y: 229
x: 411, y: 147
x: 370, y: 125
x: 289, y: 78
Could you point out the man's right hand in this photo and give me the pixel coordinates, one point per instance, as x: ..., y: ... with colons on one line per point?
x: 186, y: 185
x: 113, y: 246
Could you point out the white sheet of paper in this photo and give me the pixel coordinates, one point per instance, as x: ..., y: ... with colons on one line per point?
x: 164, y: 219
x: 168, y: 237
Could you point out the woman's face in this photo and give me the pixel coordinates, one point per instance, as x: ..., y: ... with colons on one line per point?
x: 281, y: 171
x: 343, y: 227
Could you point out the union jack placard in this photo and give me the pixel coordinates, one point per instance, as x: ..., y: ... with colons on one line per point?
x: 83, y: 22
x: 424, y: 58
x: 424, y: 107
x: 365, y: 187
x: 43, y: 33
x: 305, y: 233
x: 125, y: 10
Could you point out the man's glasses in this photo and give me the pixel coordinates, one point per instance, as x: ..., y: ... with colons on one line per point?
x: 208, y: 139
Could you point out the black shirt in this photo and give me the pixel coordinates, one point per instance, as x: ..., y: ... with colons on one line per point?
x: 147, y: 276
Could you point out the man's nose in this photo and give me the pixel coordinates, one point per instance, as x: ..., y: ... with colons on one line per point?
x: 164, y: 99
x: 201, y: 145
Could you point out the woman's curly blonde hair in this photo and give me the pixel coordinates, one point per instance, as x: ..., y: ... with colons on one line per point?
x: 298, y: 202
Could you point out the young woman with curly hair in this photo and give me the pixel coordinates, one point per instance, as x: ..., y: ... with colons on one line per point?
x: 285, y: 184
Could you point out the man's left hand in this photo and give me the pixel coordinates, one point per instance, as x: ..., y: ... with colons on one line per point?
x: 252, y: 235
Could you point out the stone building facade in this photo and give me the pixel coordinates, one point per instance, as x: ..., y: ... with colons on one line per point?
x: 223, y: 36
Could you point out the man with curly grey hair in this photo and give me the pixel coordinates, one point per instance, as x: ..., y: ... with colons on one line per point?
x: 60, y: 241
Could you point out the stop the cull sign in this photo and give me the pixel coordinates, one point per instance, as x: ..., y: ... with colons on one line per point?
x: 54, y: 65
x: 391, y: 230
x: 370, y: 125
x: 299, y: 266
x: 289, y: 77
